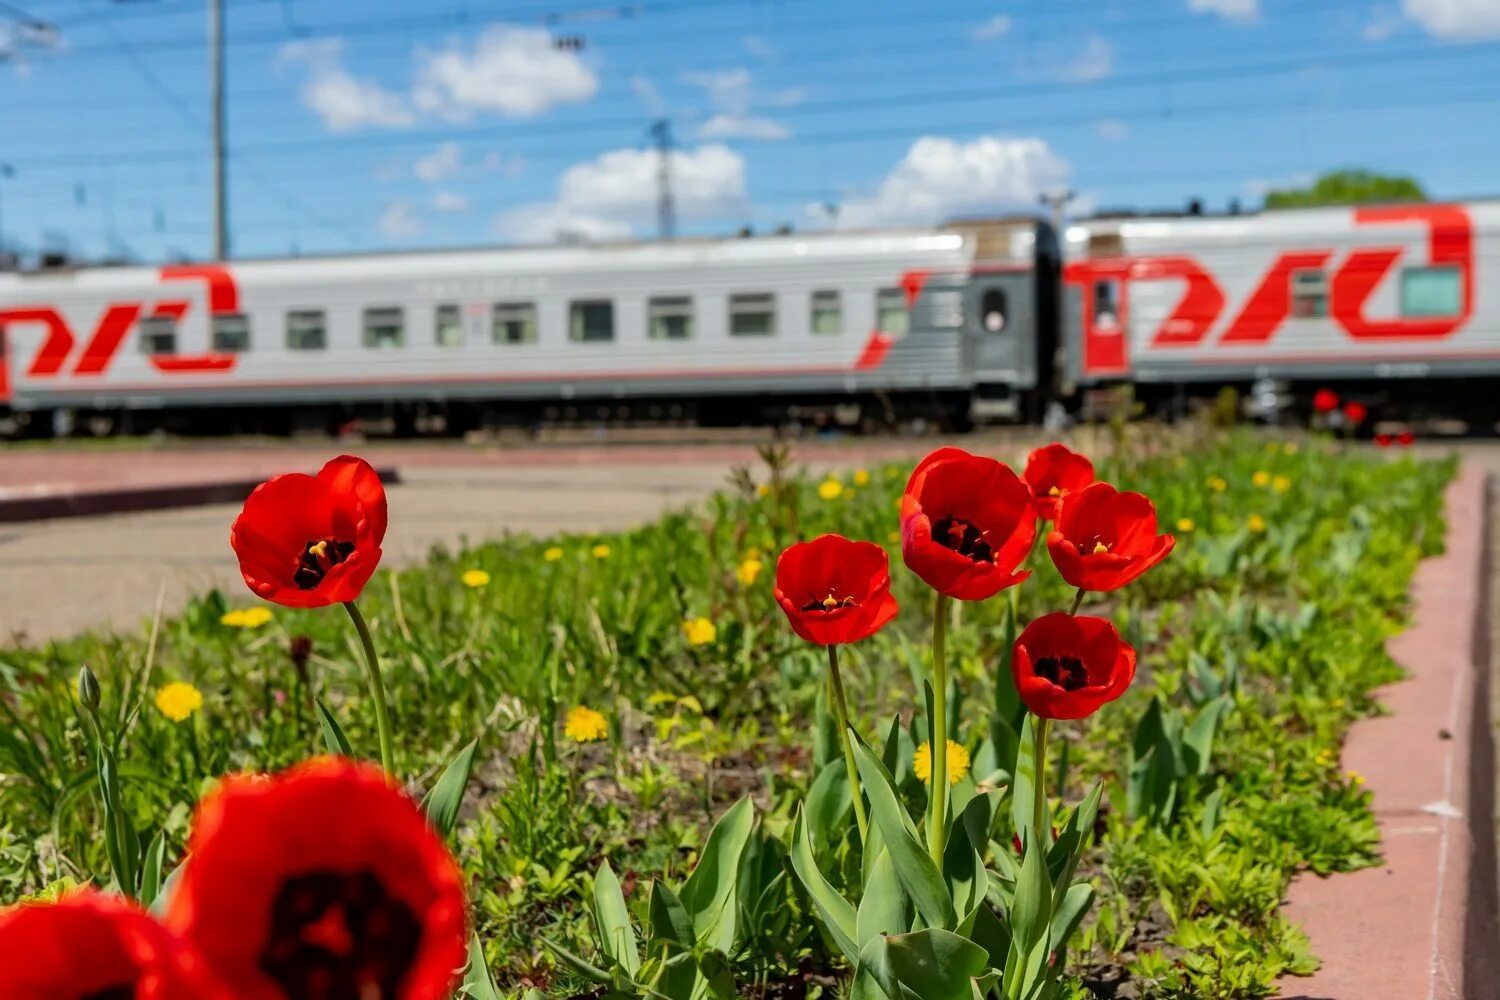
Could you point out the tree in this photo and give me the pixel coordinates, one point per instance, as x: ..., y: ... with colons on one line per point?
x: 1348, y: 187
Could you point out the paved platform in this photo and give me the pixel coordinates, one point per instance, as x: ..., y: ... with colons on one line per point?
x: 1422, y: 925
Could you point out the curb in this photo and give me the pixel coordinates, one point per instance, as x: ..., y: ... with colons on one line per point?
x: 89, y: 503
x: 1422, y: 924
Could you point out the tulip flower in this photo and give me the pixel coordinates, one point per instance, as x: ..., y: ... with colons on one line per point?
x: 1067, y: 667
x: 324, y: 880
x: 1355, y: 413
x: 310, y: 541
x: 1325, y: 401
x: 832, y: 591
x: 1104, y: 539
x: 88, y: 944
x: 1053, y: 472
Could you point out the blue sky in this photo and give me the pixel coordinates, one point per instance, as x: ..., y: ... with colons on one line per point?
x: 387, y: 123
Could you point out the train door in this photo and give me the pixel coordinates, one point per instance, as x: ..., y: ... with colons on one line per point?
x: 1001, y: 328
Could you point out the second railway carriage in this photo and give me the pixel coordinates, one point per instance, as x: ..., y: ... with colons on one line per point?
x: 1395, y: 301
x: 874, y: 323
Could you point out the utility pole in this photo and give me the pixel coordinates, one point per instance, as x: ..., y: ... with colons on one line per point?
x: 216, y: 97
x: 6, y: 172
x: 1057, y: 202
x: 666, y: 212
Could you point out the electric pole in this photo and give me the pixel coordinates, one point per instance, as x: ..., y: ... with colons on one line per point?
x: 666, y: 212
x: 216, y: 98
x: 1057, y: 202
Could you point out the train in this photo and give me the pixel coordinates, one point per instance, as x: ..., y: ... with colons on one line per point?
x: 975, y: 320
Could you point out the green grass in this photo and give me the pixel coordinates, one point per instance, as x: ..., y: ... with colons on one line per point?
x: 1293, y: 618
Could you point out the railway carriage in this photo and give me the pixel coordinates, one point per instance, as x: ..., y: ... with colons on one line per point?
x: 978, y: 319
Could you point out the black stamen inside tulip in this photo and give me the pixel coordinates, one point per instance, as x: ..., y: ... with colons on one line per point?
x: 339, y: 936
x: 963, y: 538
x: 124, y: 991
x: 830, y: 603
x: 317, y: 559
x: 1066, y: 672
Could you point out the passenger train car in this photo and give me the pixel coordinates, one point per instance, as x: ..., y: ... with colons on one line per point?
x: 973, y: 320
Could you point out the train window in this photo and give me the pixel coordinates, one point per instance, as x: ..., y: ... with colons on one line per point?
x: 514, y: 323
x: 385, y: 326
x: 591, y: 322
x: 448, y: 325
x: 670, y: 318
x: 827, y: 314
x: 891, y: 315
x: 752, y: 315
x: 231, y: 333
x: 306, y: 330
x: 1309, y: 294
x: 1431, y: 291
x: 158, y: 335
x: 1106, y: 304
x: 993, y: 309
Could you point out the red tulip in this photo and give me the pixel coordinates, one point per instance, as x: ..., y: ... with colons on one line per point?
x: 1067, y: 667
x: 309, y: 541
x: 1406, y: 438
x: 1384, y: 440
x: 322, y: 881
x: 1053, y: 472
x: 1105, y: 539
x: 1355, y: 412
x: 1325, y: 401
x: 88, y: 944
x: 834, y: 590
x: 966, y: 524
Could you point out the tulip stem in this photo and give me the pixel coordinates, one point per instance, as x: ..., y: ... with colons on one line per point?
x: 1077, y: 601
x: 1039, y: 788
x: 841, y: 710
x: 937, y: 827
x: 377, y: 688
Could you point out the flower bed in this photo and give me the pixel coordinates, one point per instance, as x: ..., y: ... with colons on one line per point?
x: 627, y: 690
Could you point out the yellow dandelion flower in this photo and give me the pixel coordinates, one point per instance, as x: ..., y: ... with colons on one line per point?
x: 747, y: 571
x: 234, y: 619
x: 1218, y: 484
x: 1185, y: 525
x: 861, y: 477
x: 553, y: 554
x: 1290, y: 447
x: 1256, y: 524
x: 178, y: 700
x: 474, y: 578
x: 1261, y: 479
x: 1355, y: 778
x: 830, y: 489
x: 1281, y: 484
x: 600, y: 551
x: 584, y: 725
x: 699, y: 631
x: 893, y: 537
x: 958, y: 763
x: 763, y: 490
x: 257, y: 616
x: 1273, y: 447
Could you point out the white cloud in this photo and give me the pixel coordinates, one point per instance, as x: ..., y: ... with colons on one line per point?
x: 1112, y: 130
x: 1259, y: 187
x: 759, y: 47
x: 1093, y: 62
x: 1455, y: 19
x: 732, y: 126
x: 614, y: 195
x: 449, y: 201
x: 341, y: 100
x: 400, y: 220
x: 444, y: 161
x: 645, y: 91
x: 995, y: 27
x: 940, y: 178
x: 511, y: 71
x: 729, y: 92
x: 1230, y: 10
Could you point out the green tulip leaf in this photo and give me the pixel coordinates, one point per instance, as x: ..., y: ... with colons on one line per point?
x: 447, y: 793
x: 914, y: 866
